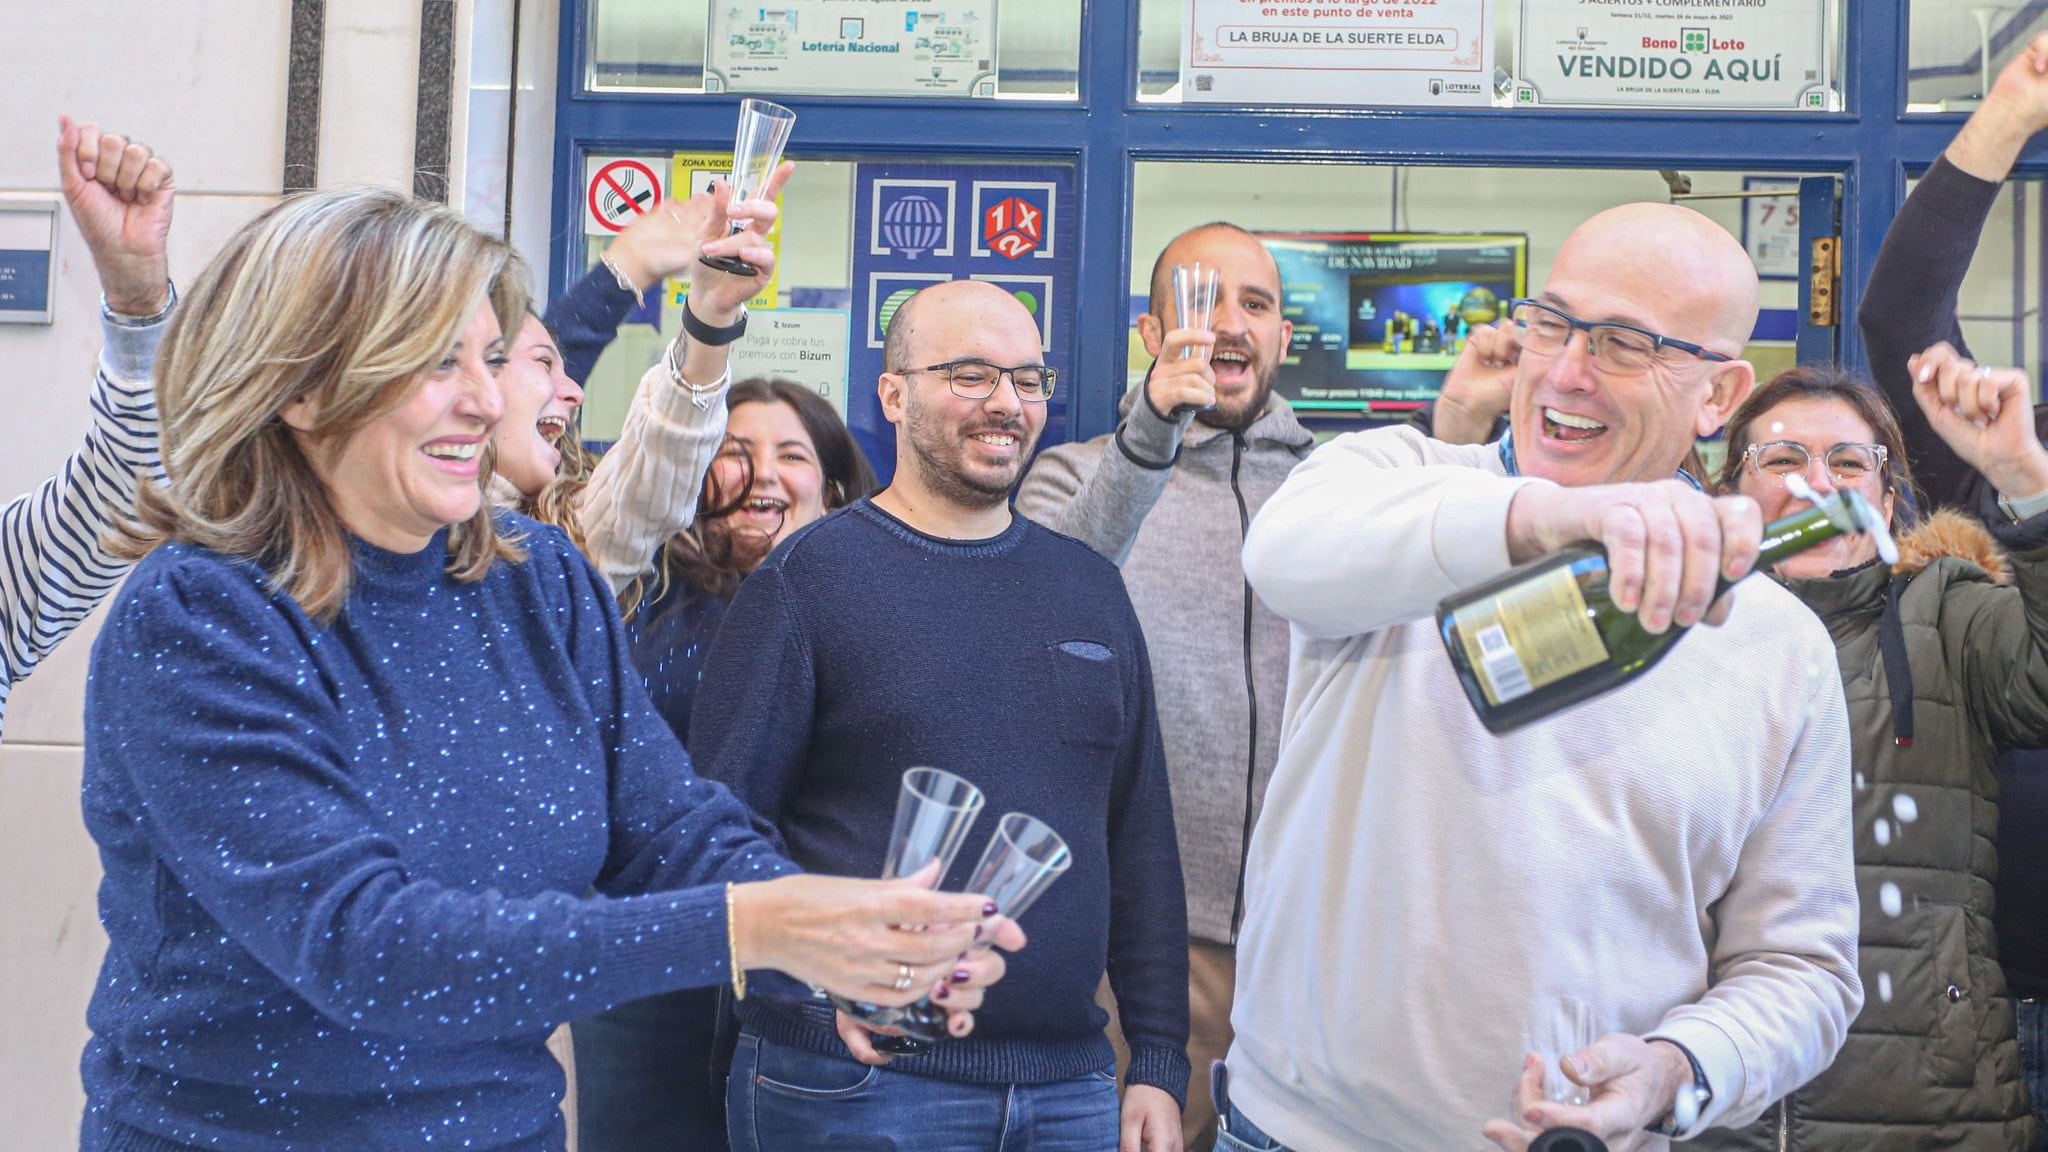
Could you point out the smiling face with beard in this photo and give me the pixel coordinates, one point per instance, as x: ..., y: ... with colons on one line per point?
x: 967, y: 453
x: 1251, y: 334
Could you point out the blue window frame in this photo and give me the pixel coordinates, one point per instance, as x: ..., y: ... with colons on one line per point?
x: 1872, y: 148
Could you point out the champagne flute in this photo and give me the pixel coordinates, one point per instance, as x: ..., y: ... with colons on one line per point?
x: 1021, y: 861
x: 1194, y: 299
x: 1194, y: 306
x: 1558, y: 1027
x: 934, y: 810
x: 756, y: 150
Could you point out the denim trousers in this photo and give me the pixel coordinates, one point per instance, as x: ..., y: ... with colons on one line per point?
x: 1238, y: 1134
x: 780, y: 1097
x: 2033, y: 1017
x: 650, y: 1075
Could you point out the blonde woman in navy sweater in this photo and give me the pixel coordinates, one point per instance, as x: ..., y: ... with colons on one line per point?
x: 359, y: 750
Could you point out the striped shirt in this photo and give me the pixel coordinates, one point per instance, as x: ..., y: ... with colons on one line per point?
x: 53, y: 567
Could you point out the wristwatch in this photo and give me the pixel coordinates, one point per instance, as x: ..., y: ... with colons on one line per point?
x: 1702, y: 1094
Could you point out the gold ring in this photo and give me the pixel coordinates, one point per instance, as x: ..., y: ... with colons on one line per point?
x: 905, y: 977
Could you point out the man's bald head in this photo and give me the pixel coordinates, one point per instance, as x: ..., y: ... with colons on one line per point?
x: 958, y: 299
x: 1674, y: 261
x: 1194, y: 239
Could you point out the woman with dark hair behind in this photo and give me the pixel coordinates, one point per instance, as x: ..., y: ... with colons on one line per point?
x: 1944, y: 664
x: 651, y: 1074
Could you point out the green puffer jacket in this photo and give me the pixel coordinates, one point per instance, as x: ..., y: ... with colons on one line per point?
x: 1933, y: 1060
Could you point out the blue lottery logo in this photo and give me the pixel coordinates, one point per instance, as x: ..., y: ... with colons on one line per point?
x: 913, y: 224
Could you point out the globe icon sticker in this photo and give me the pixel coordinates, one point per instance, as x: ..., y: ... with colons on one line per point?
x: 1028, y: 299
x: 913, y: 224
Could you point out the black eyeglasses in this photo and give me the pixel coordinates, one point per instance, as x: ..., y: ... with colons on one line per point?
x: 1618, y: 348
x: 977, y: 379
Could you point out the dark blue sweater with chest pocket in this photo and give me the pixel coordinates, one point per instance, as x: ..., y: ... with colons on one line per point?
x: 863, y: 647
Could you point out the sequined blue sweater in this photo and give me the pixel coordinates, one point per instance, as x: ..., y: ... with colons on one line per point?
x: 355, y: 873
x: 862, y: 647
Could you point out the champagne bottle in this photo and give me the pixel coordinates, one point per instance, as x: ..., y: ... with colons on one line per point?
x: 1546, y: 635
x: 1567, y: 1140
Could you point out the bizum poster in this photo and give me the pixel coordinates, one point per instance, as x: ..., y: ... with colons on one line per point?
x: 1437, y: 53
x: 1761, y: 54
x: 853, y: 47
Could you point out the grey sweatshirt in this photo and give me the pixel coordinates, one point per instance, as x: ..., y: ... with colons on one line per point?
x: 1168, y: 501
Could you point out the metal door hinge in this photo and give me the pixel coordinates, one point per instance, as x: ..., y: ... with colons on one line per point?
x: 1824, y: 274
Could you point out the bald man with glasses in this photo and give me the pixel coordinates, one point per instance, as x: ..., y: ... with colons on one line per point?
x: 928, y: 624
x: 1675, y: 855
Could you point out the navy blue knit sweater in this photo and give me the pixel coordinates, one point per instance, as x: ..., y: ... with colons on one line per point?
x: 348, y: 867
x: 862, y: 647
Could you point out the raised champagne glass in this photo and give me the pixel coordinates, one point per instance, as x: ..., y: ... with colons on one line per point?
x: 756, y: 150
x: 1021, y: 861
x: 934, y: 810
x: 1194, y: 306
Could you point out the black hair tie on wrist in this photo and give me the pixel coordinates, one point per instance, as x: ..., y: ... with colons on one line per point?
x: 711, y: 337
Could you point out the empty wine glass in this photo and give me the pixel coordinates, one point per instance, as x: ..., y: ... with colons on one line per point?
x: 756, y: 150
x: 1021, y: 861
x: 934, y: 810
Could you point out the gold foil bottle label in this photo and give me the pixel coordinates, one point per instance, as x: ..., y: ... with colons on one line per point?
x: 1534, y: 634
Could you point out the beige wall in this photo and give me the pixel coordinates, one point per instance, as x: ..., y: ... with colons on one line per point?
x: 203, y: 82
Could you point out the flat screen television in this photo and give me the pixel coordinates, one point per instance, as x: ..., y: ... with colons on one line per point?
x: 1379, y: 317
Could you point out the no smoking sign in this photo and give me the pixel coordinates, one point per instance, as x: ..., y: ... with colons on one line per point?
x: 616, y: 192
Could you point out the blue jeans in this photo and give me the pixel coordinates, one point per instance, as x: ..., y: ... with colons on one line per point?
x: 650, y: 1075
x: 781, y: 1097
x: 2033, y: 1017
x: 1238, y: 1134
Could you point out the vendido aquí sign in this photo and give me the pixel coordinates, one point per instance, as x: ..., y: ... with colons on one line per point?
x: 1751, y: 54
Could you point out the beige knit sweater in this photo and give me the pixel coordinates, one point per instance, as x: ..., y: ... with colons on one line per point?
x: 1676, y: 854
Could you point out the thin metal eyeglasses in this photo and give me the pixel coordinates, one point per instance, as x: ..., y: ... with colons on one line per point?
x: 977, y: 379
x: 1848, y: 462
x: 1615, y: 347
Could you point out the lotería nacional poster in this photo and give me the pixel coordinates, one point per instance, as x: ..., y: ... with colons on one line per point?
x: 852, y: 47
x: 1754, y: 54
x: 916, y: 224
x: 1432, y: 53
